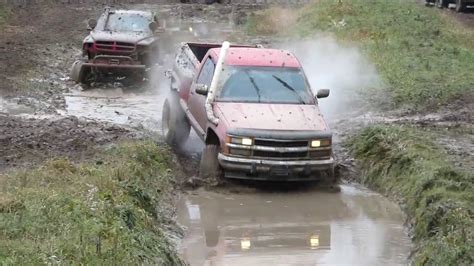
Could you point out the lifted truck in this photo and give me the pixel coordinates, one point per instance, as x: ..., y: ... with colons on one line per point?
x: 120, y: 42
x: 255, y: 111
x: 461, y: 5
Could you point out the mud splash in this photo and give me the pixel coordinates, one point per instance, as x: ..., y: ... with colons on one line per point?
x: 355, y: 226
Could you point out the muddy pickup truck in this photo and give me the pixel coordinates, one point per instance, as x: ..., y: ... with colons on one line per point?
x: 461, y: 5
x: 255, y: 111
x: 120, y: 42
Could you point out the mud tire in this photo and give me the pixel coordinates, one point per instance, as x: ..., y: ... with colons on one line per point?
x: 442, y: 3
x: 330, y: 181
x: 209, y: 168
x: 460, y: 6
x: 81, y: 74
x: 175, y: 124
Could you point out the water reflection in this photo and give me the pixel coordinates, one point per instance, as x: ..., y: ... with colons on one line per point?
x: 353, y: 227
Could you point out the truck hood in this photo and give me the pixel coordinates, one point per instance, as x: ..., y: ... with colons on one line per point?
x: 130, y: 37
x: 288, y: 117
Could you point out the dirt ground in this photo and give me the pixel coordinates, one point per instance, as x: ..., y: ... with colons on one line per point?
x: 25, y: 142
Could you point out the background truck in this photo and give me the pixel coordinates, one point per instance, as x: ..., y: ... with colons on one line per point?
x: 255, y: 111
x: 120, y: 42
x: 461, y: 5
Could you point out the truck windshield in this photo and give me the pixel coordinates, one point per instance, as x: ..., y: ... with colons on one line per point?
x: 264, y: 85
x: 127, y: 23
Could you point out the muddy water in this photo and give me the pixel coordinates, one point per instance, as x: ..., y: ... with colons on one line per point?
x: 354, y: 227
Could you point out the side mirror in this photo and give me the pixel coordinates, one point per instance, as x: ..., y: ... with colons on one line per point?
x: 153, y: 26
x: 91, y: 24
x: 202, y: 89
x: 323, y: 93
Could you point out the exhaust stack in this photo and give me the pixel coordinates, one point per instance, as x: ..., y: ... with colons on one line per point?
x: 215, y: 79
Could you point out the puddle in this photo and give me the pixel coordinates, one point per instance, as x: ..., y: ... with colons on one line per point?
x: 117, y: 106
x: 14, y: 108
x: 354, y: 227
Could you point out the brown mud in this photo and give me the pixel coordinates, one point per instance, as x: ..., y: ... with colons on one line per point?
x: 43, y: 114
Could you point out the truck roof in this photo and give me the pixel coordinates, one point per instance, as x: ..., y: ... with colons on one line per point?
x: 238, y: 56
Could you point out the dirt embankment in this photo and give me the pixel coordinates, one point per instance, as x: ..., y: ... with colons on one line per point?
x: 25, y: 142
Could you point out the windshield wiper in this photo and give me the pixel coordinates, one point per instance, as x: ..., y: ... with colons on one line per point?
x: 252, y: 80
x: 286, y: 85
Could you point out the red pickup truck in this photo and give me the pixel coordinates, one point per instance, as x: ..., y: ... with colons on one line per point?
x: 255, y: 111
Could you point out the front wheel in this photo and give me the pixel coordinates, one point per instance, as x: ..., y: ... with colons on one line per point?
x: 209, y: 168
x: 175, y: 125
x: 330, y: 181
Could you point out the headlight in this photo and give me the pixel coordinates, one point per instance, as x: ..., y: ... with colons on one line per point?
x: 320, y: 143
x: 242, y: 141
x: 245, y: 244
x: 314, y: 241
x: 315, y: 143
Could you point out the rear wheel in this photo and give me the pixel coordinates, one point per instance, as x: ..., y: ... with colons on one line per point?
x: 460, y: 6
x: 209, y: 168
x: 175, y: 125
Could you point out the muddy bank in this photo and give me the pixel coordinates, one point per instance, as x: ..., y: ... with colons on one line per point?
x: 119, y: 211
x: 28, y: 141
x: 405, y: 164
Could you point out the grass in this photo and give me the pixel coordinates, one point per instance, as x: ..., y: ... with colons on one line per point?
x: 402, y: 162
x: 110, y: 212
x: 425, y: 58
x: 4, y: 15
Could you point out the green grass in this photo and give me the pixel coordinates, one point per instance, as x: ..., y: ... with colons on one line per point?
x: 4, y: 15
x: 402, y: 162
x: 425, y: 58
x: 111, y: 212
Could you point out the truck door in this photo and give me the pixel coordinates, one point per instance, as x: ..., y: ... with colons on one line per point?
x: 196, y: 102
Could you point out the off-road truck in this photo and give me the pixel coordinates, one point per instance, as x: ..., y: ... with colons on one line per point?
x: 120, y: 42
x: 254, y: 109
x: 461, y: 5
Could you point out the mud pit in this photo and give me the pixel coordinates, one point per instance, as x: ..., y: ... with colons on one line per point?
x: 233, y: 227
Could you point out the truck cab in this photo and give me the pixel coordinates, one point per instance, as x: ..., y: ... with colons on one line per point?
x: 263, y: 121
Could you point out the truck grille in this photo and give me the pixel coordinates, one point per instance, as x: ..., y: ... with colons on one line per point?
x: 274, y: 154
x: 108, y: 46
x: 281, y: 150
x: 275, y: 143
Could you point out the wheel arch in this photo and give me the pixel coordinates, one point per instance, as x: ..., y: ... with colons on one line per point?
x: 211, y: 137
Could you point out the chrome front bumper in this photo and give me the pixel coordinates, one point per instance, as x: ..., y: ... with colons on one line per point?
x: 262, y: 169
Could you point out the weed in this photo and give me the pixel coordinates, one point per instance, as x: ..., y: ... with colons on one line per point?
x: 66, y: 213
x: 401, y: 162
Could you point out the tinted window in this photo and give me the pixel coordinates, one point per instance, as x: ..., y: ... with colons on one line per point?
x: 207, y: 72
x: 264, y: 84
